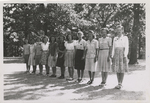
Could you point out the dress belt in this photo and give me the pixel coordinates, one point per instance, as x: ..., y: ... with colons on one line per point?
x: 104, y: 49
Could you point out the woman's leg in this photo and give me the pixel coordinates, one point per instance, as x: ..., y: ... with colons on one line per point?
x: 69, y: 70
x: 78, y: 72
x: 34, y: 68
x: 28, y: 68
x: 121, y: 77
x: 118, y: 77
x: 93, y: 75
x: 106, y: 75
x: 103, y: 77
x: 90, y: 75
x: 82, y: 73
x: 54, y: 70
x: 72, y: 72
x: 41, y: 68
x: 47, y: 69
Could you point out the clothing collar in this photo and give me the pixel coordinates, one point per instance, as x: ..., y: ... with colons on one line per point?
x: 91, y: 41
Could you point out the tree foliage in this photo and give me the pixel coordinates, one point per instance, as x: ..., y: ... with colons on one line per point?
x: 26, y: 20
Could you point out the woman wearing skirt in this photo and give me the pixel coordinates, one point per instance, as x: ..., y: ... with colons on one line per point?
x: 91, y: 53
x: 70, y: 56
x: 104, y: 56
x: 119, y: 55
x: 26, y: 53
x: 79, y: 53
x: 60, y: 59
x: 44, y: 56
x: 31, y: 61
x: 52, y: 58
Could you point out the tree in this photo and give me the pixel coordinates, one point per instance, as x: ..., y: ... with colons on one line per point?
x: 135, y: 34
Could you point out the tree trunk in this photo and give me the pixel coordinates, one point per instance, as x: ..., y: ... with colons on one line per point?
x: 139, y: 51
x: 133, y: 55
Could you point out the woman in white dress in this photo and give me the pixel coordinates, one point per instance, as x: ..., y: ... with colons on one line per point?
x: 91, y: 54
x: 119, y: 55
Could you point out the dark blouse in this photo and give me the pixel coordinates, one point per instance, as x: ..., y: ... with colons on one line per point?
x: 61, y: 46
x: 53, y: 48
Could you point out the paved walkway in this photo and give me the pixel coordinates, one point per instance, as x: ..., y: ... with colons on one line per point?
x: 21, y: 86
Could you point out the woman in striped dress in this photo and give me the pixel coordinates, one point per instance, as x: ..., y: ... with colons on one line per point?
x: 119, y: 55
x: 104, y: 56
x: 69, y: 56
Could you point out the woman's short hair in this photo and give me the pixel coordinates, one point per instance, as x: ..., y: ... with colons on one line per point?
x: 92, y: 32
x: 51, y: 38
x: 61, y: 36
x: 80, y: 32
x: 106, y: 29
x: 67, y: 37
x: 44, y: 38
x: 120, y: 26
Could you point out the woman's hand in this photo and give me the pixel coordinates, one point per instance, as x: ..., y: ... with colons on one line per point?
x: 124, y: 59
x: 108, y: 59
x: 61, y: 56
x: 83, y: 58
x: 95, y: 59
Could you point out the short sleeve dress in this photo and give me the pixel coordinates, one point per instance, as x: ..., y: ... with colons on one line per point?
x: 69, y: 55
x: 31, y: 60
x: 103, y: 63
x: 91, y: 47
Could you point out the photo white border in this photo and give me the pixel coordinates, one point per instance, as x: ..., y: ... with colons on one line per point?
x: 79, y: 1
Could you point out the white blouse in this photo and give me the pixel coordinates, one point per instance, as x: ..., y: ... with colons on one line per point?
x: 121, y: 42
x: 45, y: 47
x: 80, y: 44
x: 91, y: 48
x: 70, y: 46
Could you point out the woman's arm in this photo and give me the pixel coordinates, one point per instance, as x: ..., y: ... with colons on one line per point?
x: 126, y: 46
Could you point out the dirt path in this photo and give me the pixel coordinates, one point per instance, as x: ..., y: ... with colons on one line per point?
x: 21, y: 86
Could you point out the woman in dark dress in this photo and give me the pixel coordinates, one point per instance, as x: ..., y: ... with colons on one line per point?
x: 60, y: 59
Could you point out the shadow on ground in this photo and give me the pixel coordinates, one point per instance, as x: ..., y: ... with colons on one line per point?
x: 21, y: 86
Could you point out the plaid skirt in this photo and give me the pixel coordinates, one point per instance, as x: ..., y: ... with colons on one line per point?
x: 69, y: 58
x: 44, y: 58
x: 119, y: 65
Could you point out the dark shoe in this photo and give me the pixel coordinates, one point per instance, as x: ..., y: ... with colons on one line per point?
x: 53, y: 76
x: 61, y: 77
x: 69, y: 79
x: 90, y: 82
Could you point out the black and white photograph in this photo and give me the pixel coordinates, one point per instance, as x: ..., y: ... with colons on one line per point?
x: 74, y: 52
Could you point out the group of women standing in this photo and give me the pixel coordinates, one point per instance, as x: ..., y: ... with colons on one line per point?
x: 103, y: 55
